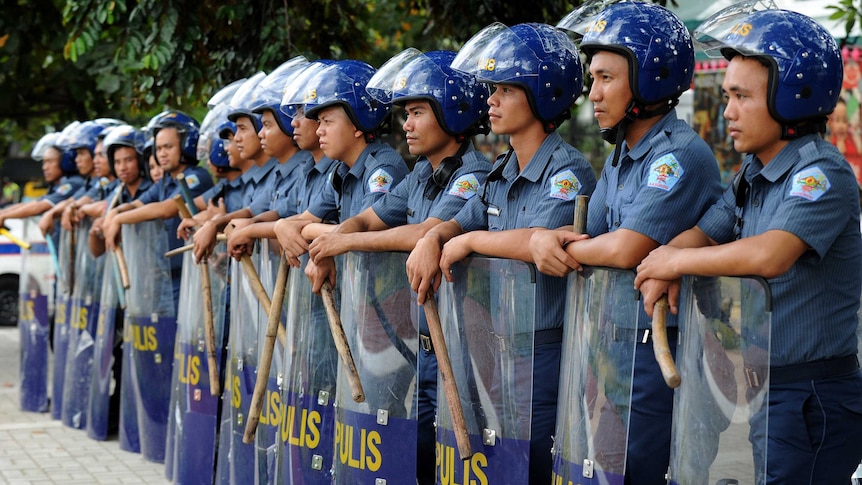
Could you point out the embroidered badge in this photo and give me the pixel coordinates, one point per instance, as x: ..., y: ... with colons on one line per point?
x: 193, y: 181
x: 810, y: 184
x: 465, y: 186
x: 564, y: 185
x: 380, y: 181
x: 664, y: 173
x: 64, y: 189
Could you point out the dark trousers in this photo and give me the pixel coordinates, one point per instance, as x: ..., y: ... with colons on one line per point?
x: 427, y: 405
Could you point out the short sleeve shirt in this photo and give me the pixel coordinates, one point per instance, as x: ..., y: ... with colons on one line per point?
x: 63, y: 189
x: 284, y: 181
x: 317, y: 191
x: 808, y: 190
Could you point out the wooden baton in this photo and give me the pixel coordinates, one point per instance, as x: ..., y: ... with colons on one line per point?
x: 209, y: 323
x: 189, y: 247
x: 272, y: 324
x: 259, y: 291
x: 118, y: 250
x: 450, y: 387
x: 660, y: 346
x: 341, y: 344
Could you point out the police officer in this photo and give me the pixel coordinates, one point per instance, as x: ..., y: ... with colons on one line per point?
x: 443, y: 108
x: 532, y: 186
x: 661, y: 177
x: 349, y: 130
x: 791, y: 216
x: 60, y: 172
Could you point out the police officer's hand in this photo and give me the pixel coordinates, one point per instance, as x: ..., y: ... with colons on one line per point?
x: 96, y: 228
x: 66, y: 218
x: 653, y: 289
x: 548, y: 250
x: 93, y: 209
x: 327, y: 245
x: 238, y: 243
x: 218, y: 208
x: 289, y: 233
x: 46, y: 224
x: 454, y: 250
x: 205, y: 239
x: 185, y: 229
x: 318, y: 273
x: 423, y: 267
x: 111, y: 230
x: 658, y: 265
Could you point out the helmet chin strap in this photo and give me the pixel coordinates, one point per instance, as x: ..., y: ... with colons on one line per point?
x: 617, y: 133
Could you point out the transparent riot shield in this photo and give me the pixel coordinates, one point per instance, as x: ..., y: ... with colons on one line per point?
x: 82, y: 330
x: 33, y: 325
x: 62, y: 317
x: 596, y: 377
x: 151, y: 320
x: 719, y: 419
x: 311, y: 365
x: 267, y: 442
x: 129, y: 436
x: 375, y: 440
x: 236, y: 460
x: 191, y: 440
x: 487, y: 317
x: 104, y: 396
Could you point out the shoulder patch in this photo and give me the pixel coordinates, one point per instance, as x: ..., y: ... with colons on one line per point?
x: 64, y: 189
x: 379, y: 181
x: 192, y: 180
x: 465, y: 186
x: 564, y: 185
x: 810, y: 184
x: 665, y: 172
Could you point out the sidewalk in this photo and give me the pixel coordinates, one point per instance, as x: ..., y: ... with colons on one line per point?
x: 34, y: 449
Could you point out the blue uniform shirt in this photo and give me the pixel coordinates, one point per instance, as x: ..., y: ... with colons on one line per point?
x: 808, y: 190
x: 63, y: 189
x: 102, y: 189
x: 255, y: 180
x: 407, y: 203
x: 284, y: 181
x: 316, y: 190
x: 143, y: 186
x: 542, y: 195
x: 378, y: 170
x: 198, y: 180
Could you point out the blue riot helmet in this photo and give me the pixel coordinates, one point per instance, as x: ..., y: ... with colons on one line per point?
x: 219, y: 108
x: 86, y: 135
x: 541, y: 59
x: 299, y: 89
x: 224, y: 95
x: 244, y: 100
x: 63, y: 143
x: 270, y: 91
x: 125, y: 136
x: 459, y: 101
x: 189, y: 131
x: 804, y: 61
x: 343, y: 83
x: 47, y: 140
x: 109, y: 122
x: 656, y: 44
x: 151, y: 125
x: 218, y: 155
x: 226, y: 129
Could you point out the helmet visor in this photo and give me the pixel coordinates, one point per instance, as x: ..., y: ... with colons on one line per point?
x: 243, y: 98
x: 581, y: 20
x: 300, y: 88
x: 388, y: 79
x: 713, y: 34
x: 270, y: 91
x: 224, y: 95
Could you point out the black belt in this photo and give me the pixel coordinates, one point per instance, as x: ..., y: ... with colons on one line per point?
x: 639, y: 335
x: 819, y: 369
x: 426, y: 344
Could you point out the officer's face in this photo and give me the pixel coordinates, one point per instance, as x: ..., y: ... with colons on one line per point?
x: 611, y: 92
x: 100, y: 162
x: 509, y: 110
x: 305, y: 132
x: 234, y: 159
x: 84, y: 161
x: 337, y: 134
x: 423, y: 132
x: 273, y: 141
x: 51, y: 165
x: 749, y: 123
x: 126, y: 164
x: 168, y: 150
x: 246, y: 139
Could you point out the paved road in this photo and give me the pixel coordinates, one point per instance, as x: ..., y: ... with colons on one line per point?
x: 34, y: 449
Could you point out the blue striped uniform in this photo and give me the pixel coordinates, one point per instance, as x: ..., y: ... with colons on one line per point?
x: 63, y: 189
x: 542, y: 195
x: 376, y: 172
x: 659, y: 188
x: 284, y: 181
x: 255, y: 180
x: 808, y: 190
x: 316, y: 190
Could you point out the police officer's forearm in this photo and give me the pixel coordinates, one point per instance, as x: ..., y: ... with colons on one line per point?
x: 401, y: 238
x: 443, y: 232
x: 223, y: 220
x: 28, y: 210
x: 511, y: 244
x: 622, y: 248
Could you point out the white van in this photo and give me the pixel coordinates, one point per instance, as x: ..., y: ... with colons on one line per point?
x: 40, y: 271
